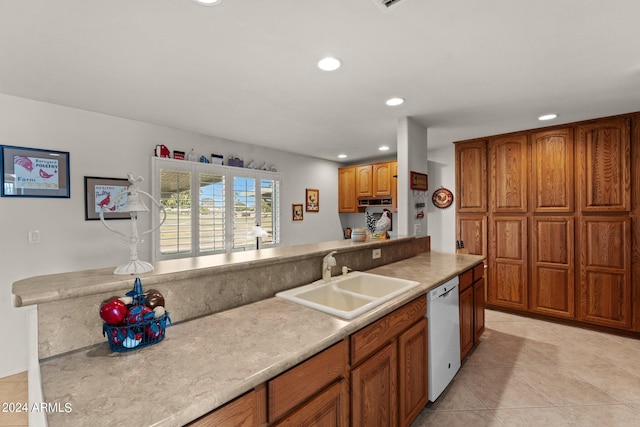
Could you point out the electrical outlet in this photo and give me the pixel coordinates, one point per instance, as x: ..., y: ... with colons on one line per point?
x: 417, y: 228
x: 377, y: 253
x: 33, y: 237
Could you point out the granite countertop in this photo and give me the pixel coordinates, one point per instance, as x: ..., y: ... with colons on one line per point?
x: 206, y: 362
x: 52, y: 287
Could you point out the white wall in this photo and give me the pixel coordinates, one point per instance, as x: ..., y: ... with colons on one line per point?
x: 442, y: 222
x: 412, y: 156
x: 106, y: 146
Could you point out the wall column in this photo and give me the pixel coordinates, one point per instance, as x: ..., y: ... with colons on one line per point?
x: 412, y: 156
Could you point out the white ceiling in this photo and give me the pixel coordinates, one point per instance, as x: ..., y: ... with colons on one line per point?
x: 246, y: 70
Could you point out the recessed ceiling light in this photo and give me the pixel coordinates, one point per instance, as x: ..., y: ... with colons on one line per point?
x: 548, y: 117
x: 329, y: 64
x: 342, y: 156
x: 393, y: 102
x: 383, y: 148
x: 208, y: 2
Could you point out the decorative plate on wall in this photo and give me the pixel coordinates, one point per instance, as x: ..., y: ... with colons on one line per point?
x: 442, y: 198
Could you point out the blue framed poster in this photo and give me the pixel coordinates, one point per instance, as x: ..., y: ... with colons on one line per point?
x: 33, y: 172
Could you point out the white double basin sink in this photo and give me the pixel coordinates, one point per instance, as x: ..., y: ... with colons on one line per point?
x: 350, y: 295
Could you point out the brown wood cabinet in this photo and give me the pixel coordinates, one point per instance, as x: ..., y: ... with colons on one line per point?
x: 387, y: 389
x: 466, y: 321
x: 364, y: 181
x: 373, y: 389
x: 562, y: 230
x: 552, y: 172
x: 367, y: 185
x: 347, y: 201
x: 472, y: 230
x: 413, y: 372
x: 605, y: 285
x: 471, y: 177
x: 604, y: 152
x: 552, y: 266
x: 303, y: 381
x: 508, y: 172
x: 394, y: 185
x: 382, y: 179
x: 471, y: 301
x: 248, y: 410
x: 329, y: 408
x: 508, y: 262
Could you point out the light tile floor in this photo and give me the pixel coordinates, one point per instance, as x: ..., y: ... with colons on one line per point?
x: 13, y: 391
x: 527, y: 372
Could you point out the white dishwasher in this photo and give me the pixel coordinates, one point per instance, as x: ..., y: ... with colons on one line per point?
x: 443, y: 337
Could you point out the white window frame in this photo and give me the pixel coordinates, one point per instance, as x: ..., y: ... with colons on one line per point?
x: 229, y: 173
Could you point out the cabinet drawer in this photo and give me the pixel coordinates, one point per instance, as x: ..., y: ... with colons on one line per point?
x: 248, y: 410
x: 466, y: 280
x: 376, y: 335
x: 304, y: 380
x: 478, y: 272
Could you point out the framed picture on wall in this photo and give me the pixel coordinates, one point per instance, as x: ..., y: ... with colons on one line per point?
x: 419, y: 181
x: 33, y: 172
x: 312, y: 200
x: 107, y: 193
x: 297, y: 213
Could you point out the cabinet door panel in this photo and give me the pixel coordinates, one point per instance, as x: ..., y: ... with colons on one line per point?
x: 304, y: 380
x: 552, y: 171
x: 330, y: 408
x: 412, y: 376
x: 605, y: 289
x: 347, y: 202
x: 381, y: 179
x: 508, y: 262
x: 471, y: 177
x: 472, y: 230
x: 248, y: 410
x: 394, y: 185
x: 509, y: 166
x: 364, y: 181
x: 373, y: 390
x: 605, y: 180
x: 553, y: 268
x: 466, y: 321
x: 478, y: 309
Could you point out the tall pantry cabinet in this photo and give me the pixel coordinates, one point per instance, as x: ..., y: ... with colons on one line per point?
x: 558, y: 224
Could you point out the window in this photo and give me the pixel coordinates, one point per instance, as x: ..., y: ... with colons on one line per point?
x: 211, y: 209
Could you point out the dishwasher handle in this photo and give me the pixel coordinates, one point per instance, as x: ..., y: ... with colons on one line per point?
x: 447, y: 292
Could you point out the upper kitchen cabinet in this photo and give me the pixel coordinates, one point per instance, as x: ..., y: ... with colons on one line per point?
x: 364, y: 181
x: 471, y: 177
x: 508, y: 170
x: 362, y: 186
x: 604, y: 175
x: 347, y: 202
x: 394, y: 185
x: 382, y: 179
x: 552, y: 182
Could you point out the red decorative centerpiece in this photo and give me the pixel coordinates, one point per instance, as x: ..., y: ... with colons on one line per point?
x: 134, y: 321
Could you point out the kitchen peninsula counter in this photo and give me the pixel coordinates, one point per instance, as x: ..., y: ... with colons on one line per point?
x: 206, y: 362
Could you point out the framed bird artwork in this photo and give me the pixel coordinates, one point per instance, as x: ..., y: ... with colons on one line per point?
x: 33, y: 172
x: 108, y: 194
